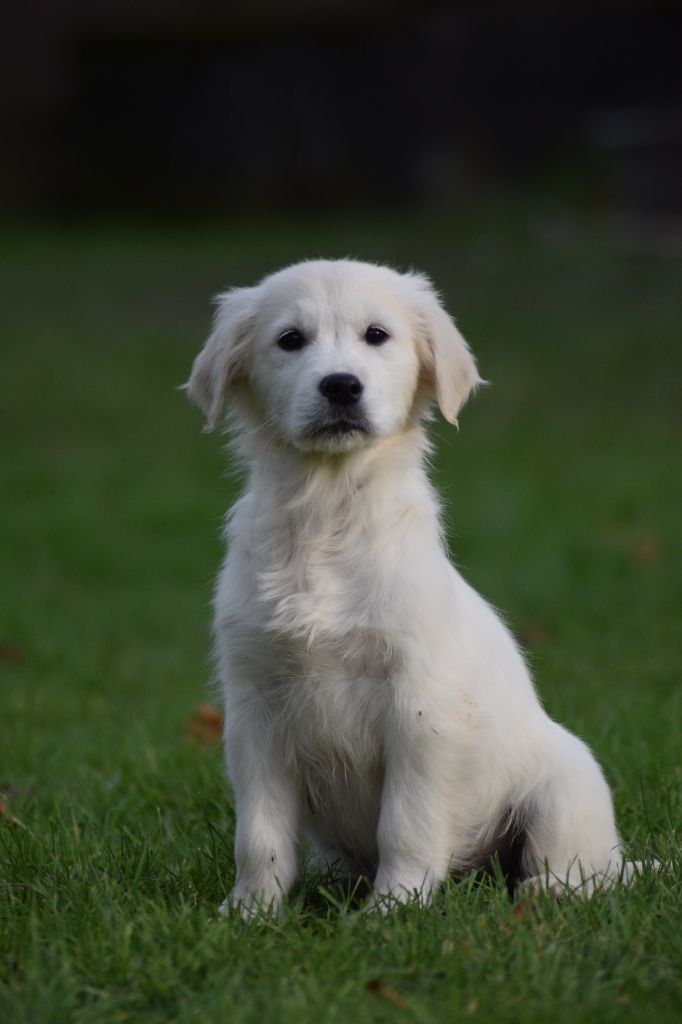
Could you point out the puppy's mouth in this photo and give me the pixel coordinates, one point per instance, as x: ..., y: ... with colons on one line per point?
x: 337, y: 426
x: 340, y: 426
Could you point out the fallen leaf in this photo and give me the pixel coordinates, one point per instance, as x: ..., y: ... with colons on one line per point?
x: 646, y: 548
x: 531, y: 634
x: 379, y: 988
x: 205, y: 726
x: 11, y: 654
x: 10, y: 819
x: 472, y: 1005
x: 520, y: 910
x: 643, y: 545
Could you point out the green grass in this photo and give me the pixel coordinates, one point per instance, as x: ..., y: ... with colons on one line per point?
x: 563, y: 495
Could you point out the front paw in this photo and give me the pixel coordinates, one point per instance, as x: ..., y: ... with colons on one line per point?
x: 390, y: 895
x: 252, y: 904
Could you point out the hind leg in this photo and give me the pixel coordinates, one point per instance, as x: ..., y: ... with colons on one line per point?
x: 572, y: 840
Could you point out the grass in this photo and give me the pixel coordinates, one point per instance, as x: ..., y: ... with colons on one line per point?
x: 563, y: 498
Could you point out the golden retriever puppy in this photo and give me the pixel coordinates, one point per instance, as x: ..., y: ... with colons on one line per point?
x: 377, y: 710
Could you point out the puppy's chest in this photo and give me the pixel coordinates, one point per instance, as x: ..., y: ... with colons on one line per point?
x: 318, y: 620
x: 333, y: 664
x: 332, y: 590
x: 330, y: 708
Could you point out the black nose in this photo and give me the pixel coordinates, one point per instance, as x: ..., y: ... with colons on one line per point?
x: 341, y: 388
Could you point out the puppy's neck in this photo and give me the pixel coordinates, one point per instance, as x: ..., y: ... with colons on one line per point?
x: 293, y: 477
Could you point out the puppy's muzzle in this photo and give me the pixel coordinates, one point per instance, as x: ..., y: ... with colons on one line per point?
x: 341, y: 389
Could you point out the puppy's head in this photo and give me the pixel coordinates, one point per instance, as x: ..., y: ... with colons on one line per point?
x: 332, y: 356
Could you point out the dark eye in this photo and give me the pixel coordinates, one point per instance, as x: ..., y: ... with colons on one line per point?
x: 291, y: 340
x: 376, y: 335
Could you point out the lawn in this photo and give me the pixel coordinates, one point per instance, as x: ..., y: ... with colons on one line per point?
x: 563, y: 499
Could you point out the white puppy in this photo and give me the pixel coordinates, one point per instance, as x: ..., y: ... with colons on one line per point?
x: 376, y: 708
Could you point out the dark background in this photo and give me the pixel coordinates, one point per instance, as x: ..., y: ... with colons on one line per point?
x: 185, y: 108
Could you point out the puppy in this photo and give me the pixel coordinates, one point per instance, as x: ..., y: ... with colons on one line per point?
x: 377, y: 711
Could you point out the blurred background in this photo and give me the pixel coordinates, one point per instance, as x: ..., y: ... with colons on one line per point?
x: 183, y: 108
x: 528, y: 156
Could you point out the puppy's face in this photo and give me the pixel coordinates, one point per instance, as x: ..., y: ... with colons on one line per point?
x: 330, y: 355
x: 334, y: 365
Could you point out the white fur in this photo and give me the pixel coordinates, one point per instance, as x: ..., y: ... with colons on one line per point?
x: 376, y: 708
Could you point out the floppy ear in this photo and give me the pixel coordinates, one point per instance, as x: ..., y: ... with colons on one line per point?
x: 445, y: 354
x: 221, y: 361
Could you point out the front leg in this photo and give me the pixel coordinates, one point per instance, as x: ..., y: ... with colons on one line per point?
x: 415, y: 833
x: 267, y: 806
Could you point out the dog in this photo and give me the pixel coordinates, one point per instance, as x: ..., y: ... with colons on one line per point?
x: 378, y: 713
